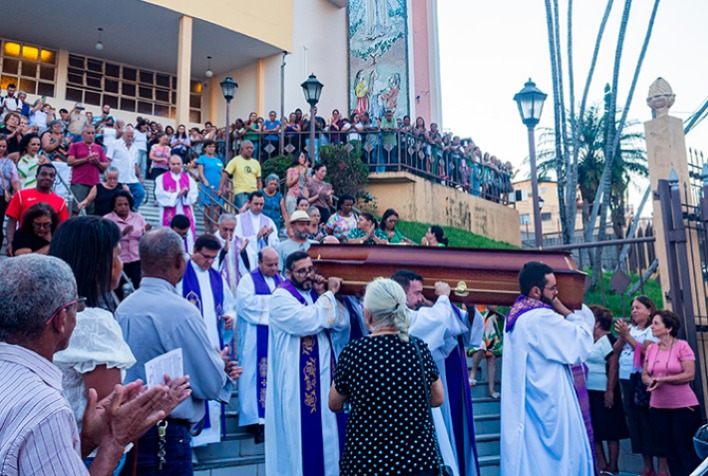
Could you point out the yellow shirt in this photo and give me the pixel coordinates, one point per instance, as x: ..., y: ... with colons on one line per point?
x: 245, y: 174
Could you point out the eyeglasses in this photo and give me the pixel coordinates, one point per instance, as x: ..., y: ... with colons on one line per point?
x: 207, y: 257
x: 43, y: 226
x: 80, y: 306
x: 552, y: 288
x: 304, y: 272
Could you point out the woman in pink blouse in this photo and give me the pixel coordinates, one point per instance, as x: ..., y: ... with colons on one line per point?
x: 669, y: 368
x: 132, y: 227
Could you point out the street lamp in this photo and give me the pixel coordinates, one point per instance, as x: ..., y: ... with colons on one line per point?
x: 530, y: 101
x: 228, y: 88
x: 312, y: 89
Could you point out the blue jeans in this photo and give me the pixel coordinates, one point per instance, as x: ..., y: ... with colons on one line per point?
x: 138, y: 192
x: 178, y: 453
x: 240, y: 199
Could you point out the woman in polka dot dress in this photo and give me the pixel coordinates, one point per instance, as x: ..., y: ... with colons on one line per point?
x: 379, y: 378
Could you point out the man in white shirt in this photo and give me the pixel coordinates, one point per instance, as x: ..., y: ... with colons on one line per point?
x: 9, y: 103
x: 176, y: 192
x: 204, y: 287
x: 257, y: 228
x: 123, y: 154
x: 542, y: 430
x: 253, y: 301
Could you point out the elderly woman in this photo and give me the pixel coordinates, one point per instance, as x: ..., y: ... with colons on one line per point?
x: 317, y: 229
x: 669, y: 370
x: 101, y: 195
x: 132, y: 227
x: 606, y: 410
x: 388, y: 227
x: 35, y: 234
x: 368, y: 377
x: 344, y: 220
x: 274, y: 207
x: 366, y: 232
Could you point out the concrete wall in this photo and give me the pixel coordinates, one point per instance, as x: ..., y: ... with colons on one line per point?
x: 417, y: 199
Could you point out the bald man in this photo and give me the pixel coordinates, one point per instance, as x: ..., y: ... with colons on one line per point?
x: 253, y: 304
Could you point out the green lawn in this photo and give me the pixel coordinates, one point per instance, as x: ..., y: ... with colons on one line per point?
x: 458, y: 238
x: 613, y: 301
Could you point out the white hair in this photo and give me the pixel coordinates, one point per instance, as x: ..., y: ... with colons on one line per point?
x: 386, y: 302
x: 32, y: 288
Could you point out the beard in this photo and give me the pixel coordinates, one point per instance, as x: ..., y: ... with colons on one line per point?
x: 546, y: 300
x: 304, y: 285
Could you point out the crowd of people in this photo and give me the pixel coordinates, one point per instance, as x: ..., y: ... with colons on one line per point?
x: 244, y: 307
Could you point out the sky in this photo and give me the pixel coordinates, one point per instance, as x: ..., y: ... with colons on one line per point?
x: 489, y: 49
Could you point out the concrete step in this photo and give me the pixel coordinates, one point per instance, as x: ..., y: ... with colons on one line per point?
x: 482, y: 389
x: 490, y: 423
x: 488, y: 444
x: 489, y: 465
x: 485, y: 406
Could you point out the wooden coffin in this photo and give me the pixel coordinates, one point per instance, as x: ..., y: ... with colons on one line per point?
x: 476, y: 276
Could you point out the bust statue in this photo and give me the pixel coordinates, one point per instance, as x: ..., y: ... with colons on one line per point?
x: 661, y: 97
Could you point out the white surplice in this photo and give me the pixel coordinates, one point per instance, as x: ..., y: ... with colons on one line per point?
x: 439, y: 327
x: 229, y: 267
x: 254, y: 244
x: 211, y: 321
x: 542, y: 428
x: 173, y: 199
x: 253, y: 311
x: 289, y: 321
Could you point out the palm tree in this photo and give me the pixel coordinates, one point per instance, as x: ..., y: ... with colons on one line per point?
x: 629, y: 162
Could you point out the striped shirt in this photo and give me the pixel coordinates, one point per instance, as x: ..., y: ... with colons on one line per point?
x: 38, y: 433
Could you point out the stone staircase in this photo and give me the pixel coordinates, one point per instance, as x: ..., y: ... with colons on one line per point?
x: 151, y: 213
x: 487, y: 422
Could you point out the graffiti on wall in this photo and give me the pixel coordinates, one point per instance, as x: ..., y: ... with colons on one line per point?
x: 378, y: 57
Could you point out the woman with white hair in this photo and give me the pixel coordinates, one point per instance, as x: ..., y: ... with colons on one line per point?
x: 389, y: 381
x: 274, y: 207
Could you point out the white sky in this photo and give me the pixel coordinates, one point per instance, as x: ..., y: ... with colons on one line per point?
x: 488, y: 50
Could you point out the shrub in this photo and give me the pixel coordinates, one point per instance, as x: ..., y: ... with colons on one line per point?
x: 345, y: 170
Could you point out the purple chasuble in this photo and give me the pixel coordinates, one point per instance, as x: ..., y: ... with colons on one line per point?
x: 310, y: 387
x: 524, y: 304
x: 192, y: 293
x: 262, y: 288
x: 460, y: 398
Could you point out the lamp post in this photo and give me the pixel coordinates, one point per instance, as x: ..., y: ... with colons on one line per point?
x: 312, y: 90
x: 530, y: 101
x: 228, y: 88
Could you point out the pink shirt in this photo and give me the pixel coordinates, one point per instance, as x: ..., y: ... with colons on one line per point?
x: 662, y: 363
x: 86, y: 173
x: 129, y: 244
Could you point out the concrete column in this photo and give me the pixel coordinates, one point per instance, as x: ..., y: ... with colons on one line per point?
x: 62, y: 76
x: 184, y: 69
x: 666, y: 150
x: 260, y: 87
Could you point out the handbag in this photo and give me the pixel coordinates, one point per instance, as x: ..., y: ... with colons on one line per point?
x: 445, y: 470
x: 640, y: 393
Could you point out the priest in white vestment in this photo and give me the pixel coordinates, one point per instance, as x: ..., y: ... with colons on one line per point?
x: 176, y: 192
x: 258, y: 229
x: 253, y: 301
x: 231, y: 248
x: 442, y: 329
x: 207, y: 290
x: 303, y: 436
x: 542, y: 425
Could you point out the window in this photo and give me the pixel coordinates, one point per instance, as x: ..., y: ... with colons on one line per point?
x: 31, y: 68
x: 97, y: 82
x: 521, y: 195
x: 546, y: 216
x: 542, y: 191
x: 525, y: 219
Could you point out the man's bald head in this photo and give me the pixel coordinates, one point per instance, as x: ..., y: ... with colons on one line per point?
x: 162, y: 255
x: 268, y: 262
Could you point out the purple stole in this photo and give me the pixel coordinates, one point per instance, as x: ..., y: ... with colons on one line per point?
x: 310, y: 388
x: 262, y: 288
x: 192, y: 293
x: 460, y: 398
x: 171, y: 186
x: 247, y: 227
x: 524, y: 304
x: 354, y: 321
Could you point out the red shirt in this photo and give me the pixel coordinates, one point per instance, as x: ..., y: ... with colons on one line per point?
x: 87, y: 173
x: 25, y: 198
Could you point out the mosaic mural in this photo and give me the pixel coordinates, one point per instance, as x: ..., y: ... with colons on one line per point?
x: 378, y: 57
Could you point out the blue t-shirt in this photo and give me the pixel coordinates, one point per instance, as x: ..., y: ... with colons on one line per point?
x: 271, y: 125
x: 212, y: 169
x: 271, y: 207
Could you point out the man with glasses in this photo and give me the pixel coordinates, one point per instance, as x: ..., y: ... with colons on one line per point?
x: 25, y: 198
x: 38, y: 432
x: 544, y: 398
x: 206, y: 289
x: 302, y: 435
